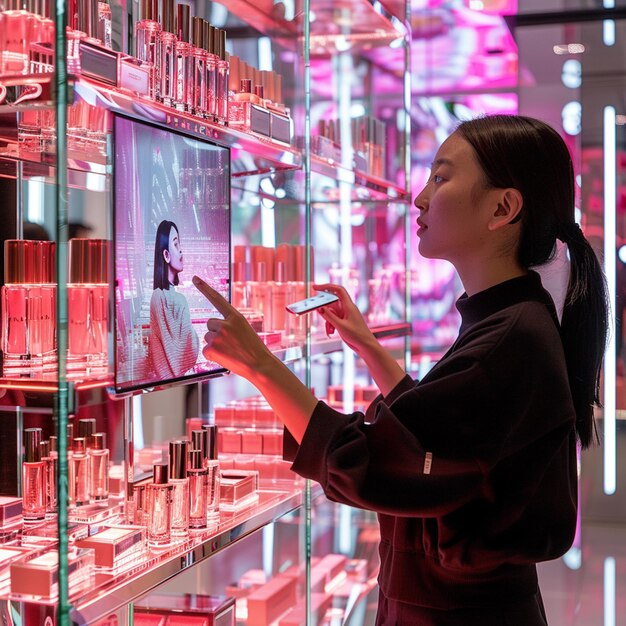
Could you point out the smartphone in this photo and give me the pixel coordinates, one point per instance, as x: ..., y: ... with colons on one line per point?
x: 321, y: 298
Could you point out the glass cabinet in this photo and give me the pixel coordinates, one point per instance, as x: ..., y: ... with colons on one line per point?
x: 264, y: 147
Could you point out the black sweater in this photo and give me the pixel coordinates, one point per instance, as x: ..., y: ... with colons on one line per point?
x: 472, y: 470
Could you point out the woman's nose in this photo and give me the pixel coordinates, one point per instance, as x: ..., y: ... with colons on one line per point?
x: 421, y: 201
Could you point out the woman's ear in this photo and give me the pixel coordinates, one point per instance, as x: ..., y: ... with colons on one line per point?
x: 166, y: 256
x: 508, y: 208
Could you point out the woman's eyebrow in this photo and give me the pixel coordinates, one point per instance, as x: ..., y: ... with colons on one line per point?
x: 441, y: 162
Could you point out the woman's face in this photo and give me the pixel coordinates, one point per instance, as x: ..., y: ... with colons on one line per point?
x: 174, y: 255
x: 453, y: 204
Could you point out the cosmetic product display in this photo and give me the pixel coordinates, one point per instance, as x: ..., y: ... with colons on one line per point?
x: 88, y: 305
x: 179, y: 481
x: 116, y: 546
x: 238, y: 490
x: 35, y: 576
x: 34, y: 480
x: 98, y: 468
x: 159, y: 507
x: 28, y: 306
x: 188, y: 609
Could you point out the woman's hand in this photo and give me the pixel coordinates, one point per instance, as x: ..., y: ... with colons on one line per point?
x: 345, y: 317
x: 231, y: 341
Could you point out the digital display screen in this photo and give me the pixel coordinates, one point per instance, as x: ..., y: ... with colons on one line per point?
x: 172, y: 220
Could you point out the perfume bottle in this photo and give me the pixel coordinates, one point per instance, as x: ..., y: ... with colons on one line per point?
x: 159, y: 503
x: 28, y: 306
x: 211, y: 67
x: 71, y: 492
x: 88, y: 305
x: 50, y: 460
x: 212, y: 465
x: 280, y: 294
x: 98, y: 468
x: 18, y: 30
x: 184, y: 62
x: 200, y: 54
x: 146, y: 39
x: 80, y: 485
x: 198, y: 489
x: 166, y: 55
x: 180, y: 488
x: 105, y: 24
x: 33, y: 477
x: 222, y: 78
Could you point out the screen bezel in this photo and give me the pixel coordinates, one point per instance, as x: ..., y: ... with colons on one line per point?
x: 123, y: 389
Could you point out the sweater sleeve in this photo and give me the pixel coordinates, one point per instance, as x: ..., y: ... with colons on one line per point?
x: 405, y: 460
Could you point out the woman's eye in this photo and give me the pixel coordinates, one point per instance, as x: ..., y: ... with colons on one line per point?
x: 437, y: 178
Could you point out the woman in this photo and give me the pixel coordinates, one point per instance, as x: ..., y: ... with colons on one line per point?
x: 173, y: 344
x: 472, y: 470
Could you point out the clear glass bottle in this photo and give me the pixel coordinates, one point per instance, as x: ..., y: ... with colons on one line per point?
x: 199, y: 105
x: 105, y: 24
x: 180, y: 488
x: 146, y: 37
x: 28, y: 306
x: 222, y: 79
x: 18, y: 30
x: 98, y: 468
x: 198, y: 489
x: 51, y: 461
x: 184, y: 62
x: 166, y: 56
x: 212, y: 465
x: 211, y: 66
x: 80, y: 462
x: 34, y: 488
x: 71, y: 492
x: 88, y: 306
x: 159, y: 507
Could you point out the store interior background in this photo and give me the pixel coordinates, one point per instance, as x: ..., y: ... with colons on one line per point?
x: 563, y: 61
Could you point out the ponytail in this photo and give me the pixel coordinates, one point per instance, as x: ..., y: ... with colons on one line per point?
x: 584, y: 329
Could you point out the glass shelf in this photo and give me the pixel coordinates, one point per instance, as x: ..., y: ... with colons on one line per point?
x: 112, y: 591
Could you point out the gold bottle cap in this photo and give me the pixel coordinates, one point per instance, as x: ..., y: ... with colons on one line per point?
x: 88, y: 261
x: 86, y: 426
x: 45, y: 261
x: 79, y: 445
x: 19, y: 261
x: 211, y: 441
x: 98, y: 441
x: 178, y: 459
x: 160, y: 473
x: 182, y: 22
x: 32, y: 439
x: 196, y: 460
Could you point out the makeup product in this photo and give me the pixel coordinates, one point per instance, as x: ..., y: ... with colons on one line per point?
x: 28, y: 306
x: 8, y: 554
x: 116, y: 546
x: 180, y: 488
x: 183, y: 61
x: 166, y: 54
x: 86, y: 428
x: 34, y: 486
x: 268, y: 602
x: 88, y: 305
x: 146, y: 39
x: 159, y: 505
x: 199, y: 105
x: 35, y: 576
x: 98, y: 468
x: 190, y: 609
x: 105, y: 28
x: 238, y: 489
x: 51, y: 463
x: 80, y: 486
x: 19, y: 27
x: 219, y: 46
x: 211, y: 66
x: 198, y: 488
x: 212, y: 465
x: 10, y: 510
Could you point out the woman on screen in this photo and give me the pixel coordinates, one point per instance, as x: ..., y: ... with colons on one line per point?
x: 173, y: 343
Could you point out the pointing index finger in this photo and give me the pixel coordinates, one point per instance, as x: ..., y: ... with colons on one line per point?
x: 213, y: 296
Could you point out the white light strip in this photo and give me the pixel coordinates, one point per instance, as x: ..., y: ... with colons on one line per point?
x: 268, y: 550
x: 346, y: 529
x: 610, y: 259
x: 609, y: 591
x: 268, y: 226
x: 608, y: 26
x: 138, y: 441
x: 34, y: 211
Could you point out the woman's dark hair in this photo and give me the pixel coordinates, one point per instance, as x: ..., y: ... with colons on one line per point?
x: 530, y: 156
x: 161, y: 269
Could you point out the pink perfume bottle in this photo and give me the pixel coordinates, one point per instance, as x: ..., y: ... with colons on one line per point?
x: 166, y: 55
x: 98, y: 459
x: 28, y: 306
x: 184, y: 62
x: 80, y: 486
x: 198, y: 488
x: 222, y: 78
x: 159, y: 504
x: 211, y: 66
x: 88, y: 305
x: 50, y: 460
x: 180, y: 488
x: 146, y: 38
x: 18, y: 29
x: 33, y: 477
x: 212, y: 465
x: 200, y: 55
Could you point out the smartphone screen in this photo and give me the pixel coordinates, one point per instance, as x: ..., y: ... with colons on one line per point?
x: 321, y: 298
